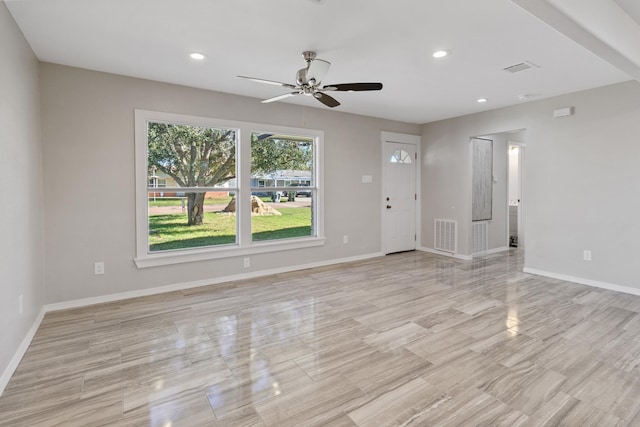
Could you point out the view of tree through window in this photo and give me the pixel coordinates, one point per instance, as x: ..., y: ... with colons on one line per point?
x: 197, y: 166
x: 282, y: 176
x: 192, y: 181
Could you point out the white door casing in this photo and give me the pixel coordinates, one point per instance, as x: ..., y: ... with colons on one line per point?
x: 399, y: 192
x: 521, y: 190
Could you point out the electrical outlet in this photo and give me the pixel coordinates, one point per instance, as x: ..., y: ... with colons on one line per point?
x: 345, y: 239
x: 247, y: 263
x: 586, y: 255
x: 20, y: 304
x: 98, y: 268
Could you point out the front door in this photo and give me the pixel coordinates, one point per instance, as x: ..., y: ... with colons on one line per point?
x: 399, y: 197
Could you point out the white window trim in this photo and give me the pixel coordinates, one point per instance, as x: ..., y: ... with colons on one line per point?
x: 245, y: 245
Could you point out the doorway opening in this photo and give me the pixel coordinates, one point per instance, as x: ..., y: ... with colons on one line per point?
x: 516, y: 166
x: 497, y: 166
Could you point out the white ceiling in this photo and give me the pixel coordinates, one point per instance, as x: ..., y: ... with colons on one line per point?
x: 632, y: 7
x: 365, y: 40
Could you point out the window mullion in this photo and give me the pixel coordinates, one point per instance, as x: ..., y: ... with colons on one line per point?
x: 243, y: 211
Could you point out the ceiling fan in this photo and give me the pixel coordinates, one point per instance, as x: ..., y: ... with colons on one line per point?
x: 309, y: 79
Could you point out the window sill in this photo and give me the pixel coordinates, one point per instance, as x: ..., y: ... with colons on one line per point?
x: 179, y: 257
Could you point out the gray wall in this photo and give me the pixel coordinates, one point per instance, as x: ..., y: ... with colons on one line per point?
x: 21, y: 208
x: 581, y: 179
x: 88, y: 128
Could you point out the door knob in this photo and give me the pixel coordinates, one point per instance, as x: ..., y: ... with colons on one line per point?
x: 388, y: 206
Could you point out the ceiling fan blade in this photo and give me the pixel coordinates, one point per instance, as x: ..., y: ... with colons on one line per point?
x: 326, y: 99
x: 353, y: 87
x: 318, y: 68
x: 280, y: 97
x: 269, y: 82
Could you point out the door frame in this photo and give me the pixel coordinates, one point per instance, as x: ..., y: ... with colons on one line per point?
x: 401, y: 138
x: 521, y: 166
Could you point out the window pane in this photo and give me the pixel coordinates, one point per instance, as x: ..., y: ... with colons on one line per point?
x: 289, y: 216
x: 181, y: 158
x: 400, y: 156
x: 285, y: 162
x: 168, y: 220
x: 190, y: 156
x: 281, y: 160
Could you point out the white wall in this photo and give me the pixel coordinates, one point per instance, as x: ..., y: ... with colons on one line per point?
x: 581, y: 180
x: 88, y: 128
x: 21, y: 207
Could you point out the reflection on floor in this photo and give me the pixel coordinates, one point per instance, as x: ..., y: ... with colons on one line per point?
x: 407, y: 339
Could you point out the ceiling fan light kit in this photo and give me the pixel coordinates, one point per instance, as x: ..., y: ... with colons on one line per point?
x: 309, y: 79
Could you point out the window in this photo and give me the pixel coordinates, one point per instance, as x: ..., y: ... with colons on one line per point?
x: 226, y: 189
x: 400, y: 156
x: 284, y: 159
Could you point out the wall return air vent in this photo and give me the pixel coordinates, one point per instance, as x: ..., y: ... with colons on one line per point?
x: 480, y: 232
x: 515, y: 68
x: 445, y: 235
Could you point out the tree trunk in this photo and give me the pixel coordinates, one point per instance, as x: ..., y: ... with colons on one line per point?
x: 195, y: 208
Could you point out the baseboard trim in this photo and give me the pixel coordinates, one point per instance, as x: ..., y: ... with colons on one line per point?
x: 17, y: 357
x: 491, y: 251
x: 22, y: 349
x: 583, y: 281
x: 198, y: 283
x: 447, y: 254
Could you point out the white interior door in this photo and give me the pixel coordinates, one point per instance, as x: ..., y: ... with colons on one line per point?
x: 399, y: 197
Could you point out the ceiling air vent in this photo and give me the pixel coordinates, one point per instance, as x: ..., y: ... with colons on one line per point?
x: 515, y: 68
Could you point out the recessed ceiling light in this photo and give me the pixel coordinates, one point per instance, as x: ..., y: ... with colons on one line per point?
x: 440, y: 53
x: 197, y: 56
x: 482, y: 100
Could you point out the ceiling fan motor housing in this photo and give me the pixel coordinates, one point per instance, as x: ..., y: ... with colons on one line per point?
x: 301, y: 76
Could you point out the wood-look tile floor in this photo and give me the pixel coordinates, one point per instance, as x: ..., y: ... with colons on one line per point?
x: 403, y: 340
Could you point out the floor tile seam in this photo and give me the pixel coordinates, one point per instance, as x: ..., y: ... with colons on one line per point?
x: 593, y: 403
x: 45, y: 409
x: 213, y: 412
x: 39, y: 384
x: 516, y: 409
x: 513, y: 378
x: 131, y: 413
x: 488, y: 396
x: 440, y: 391
x: 193, y: 390
x: 370, y: 398
x: 22, y: 419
